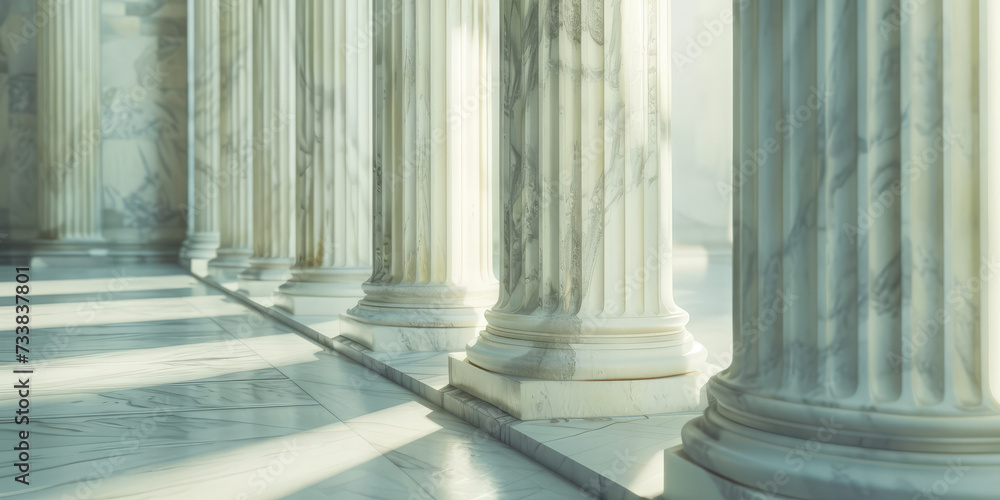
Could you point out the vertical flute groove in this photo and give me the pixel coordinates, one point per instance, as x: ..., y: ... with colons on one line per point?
x: 274, y: 130
x: 236, y: 125
x: 586, y: 196
x: 69, y: 129
x: 428, y: 229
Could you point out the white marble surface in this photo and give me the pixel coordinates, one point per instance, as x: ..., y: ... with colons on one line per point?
x: 334, y: 158
x: 262, y: 414
x: 586, y: 188
x: 203, y: 205
x: 865, y: 252
x: 144, y: 120
x: 532, y: 399
x: 274, y: 148
x: 616, y: 458
x: 236, y: 137
x: 432, y: 234
x: 69, y: 135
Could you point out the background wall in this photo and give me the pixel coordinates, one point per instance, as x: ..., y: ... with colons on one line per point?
x: 145, y: 119
x: 143, y: 115
x: 701, y: 121
x: 18, y: 188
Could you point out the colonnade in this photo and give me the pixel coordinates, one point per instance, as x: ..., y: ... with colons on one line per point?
x: 342, y: 166
x: 383, y: 213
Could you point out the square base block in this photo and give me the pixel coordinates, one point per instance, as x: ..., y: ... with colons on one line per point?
x: 310, y: 305
x: 532, y: 399
x: 197, y: 267
x: 392, y: 338
x: 258, y: 288
x: 683, y: 480
x: 225, y: 275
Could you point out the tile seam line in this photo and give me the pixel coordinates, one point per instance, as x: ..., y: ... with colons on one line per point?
x: 504, y: 429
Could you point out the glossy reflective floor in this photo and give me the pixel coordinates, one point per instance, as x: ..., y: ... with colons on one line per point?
x: 149, y: 384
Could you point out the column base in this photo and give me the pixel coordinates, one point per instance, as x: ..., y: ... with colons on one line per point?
x: 264, y: 276
x: 683, y: 480
x: 532, y: 399
x: 228, y: 264
x: 197, y: 250
x: 778, y: 466
x: 388, y: 329
x: 417, y: 317
x: 321, y: 291
x: 571, y: 348
x: 84, y: 253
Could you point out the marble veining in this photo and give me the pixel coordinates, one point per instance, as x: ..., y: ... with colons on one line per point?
x: 432, y: 198
x: 203, y: 207
x: 274, y: 148
x: 143, y: 121
x: 69, y: 170
x: 334, y: 159
x: 261, y: 415
x: 863, y: 257
x: 585, y: 190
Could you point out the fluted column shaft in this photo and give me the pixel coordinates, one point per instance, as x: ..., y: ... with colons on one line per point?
x: 69, y: 121
x: 236, y: 133
x: 585, y: 285
x: 867, y: 216
x: 334, y: 208
x: 432, y: 267
x: 203, y: 210
x: 274, y: 147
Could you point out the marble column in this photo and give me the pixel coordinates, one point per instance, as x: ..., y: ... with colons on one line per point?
x: 334, y: 210
x: 69, y: 123
x: 586, y: 323
x: 866, y: 361
x: 432, y: 273
x: 273, y: 148
x: 236, y: 132
x: 203, y: 209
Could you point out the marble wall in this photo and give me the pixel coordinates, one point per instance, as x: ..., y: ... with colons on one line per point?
x: 18, y: 210
x: 143, y: 119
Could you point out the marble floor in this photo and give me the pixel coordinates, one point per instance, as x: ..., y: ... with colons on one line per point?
x: 149, y: 384
x: 618, y: 458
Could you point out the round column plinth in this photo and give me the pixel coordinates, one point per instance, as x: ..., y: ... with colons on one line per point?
x: 229, y: 263
x: 417, y: 317
x: 264, y: 276
x: 321, y: 291
x: 574, y: 348
x: 816, y: 468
